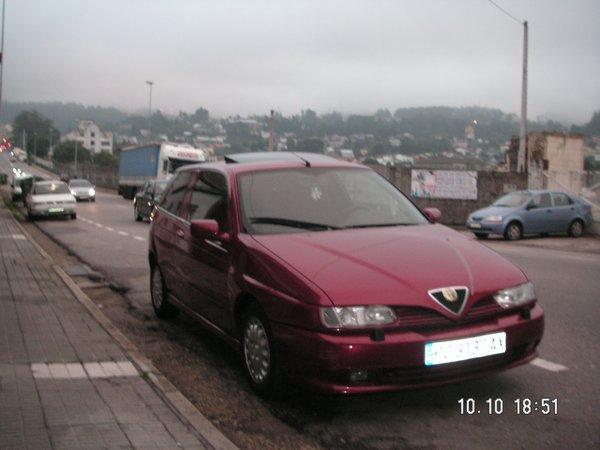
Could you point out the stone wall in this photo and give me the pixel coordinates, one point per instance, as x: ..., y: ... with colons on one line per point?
x: 490, y: 185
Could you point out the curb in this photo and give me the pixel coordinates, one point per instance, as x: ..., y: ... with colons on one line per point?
x: 182, y: 407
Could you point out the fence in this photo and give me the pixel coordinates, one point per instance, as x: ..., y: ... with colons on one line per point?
x: 99, y: 176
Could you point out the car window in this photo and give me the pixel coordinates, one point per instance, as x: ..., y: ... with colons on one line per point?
x: 208, y: 199
x: 173, y: 200
x: 561, y: 199
x: 541, y: 201
x: 146, y: 189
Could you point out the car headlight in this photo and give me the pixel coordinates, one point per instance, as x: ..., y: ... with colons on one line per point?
x: 519, y: 295
x: 92, y: 191
x: 493, y: 219
x: 357, y: 316
x: 73, y: 193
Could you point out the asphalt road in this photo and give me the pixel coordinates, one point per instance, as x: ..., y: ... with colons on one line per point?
x: 106, y: 237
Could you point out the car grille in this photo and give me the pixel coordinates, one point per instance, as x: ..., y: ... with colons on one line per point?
x: 415, y: 317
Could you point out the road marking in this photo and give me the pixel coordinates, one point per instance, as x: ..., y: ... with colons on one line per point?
x: 122, y: 233
x: 110, y: 228
x: 548, y: 365
x: 139, y: 238
x: 16, y: 237
x: 103, y: 369
x: 99, y: 225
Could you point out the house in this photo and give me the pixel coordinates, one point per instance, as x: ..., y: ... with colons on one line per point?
x: 554, y: 160
x: 90, y: 136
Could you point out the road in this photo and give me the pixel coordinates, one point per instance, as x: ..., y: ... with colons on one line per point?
x: 107, y: 238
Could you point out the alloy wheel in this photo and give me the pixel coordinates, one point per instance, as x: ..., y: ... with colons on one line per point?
x: 257, y: 352
x: 513, y: 232
x: 576, y: 229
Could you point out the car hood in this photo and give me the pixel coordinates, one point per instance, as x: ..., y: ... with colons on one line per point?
x: 393, y: 266
x: 493, y: 211
x: 52, y: 198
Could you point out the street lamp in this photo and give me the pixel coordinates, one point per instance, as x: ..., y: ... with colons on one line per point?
x: 2, y: 53
x: 150, y: 84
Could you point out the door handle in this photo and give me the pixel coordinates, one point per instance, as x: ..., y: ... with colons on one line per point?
x: 180, y: 233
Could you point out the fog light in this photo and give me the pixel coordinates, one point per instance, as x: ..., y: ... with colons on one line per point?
x: 358, y: 375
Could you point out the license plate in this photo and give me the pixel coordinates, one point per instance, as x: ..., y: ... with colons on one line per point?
x: 55, y: 210
x: 444, y: 352
x: 475, y: 225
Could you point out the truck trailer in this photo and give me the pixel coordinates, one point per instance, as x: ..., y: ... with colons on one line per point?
x: 153, y: 161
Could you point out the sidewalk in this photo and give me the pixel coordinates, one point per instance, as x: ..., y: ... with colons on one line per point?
x: 64, y: 381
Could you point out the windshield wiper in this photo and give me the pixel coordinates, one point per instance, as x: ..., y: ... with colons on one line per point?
x: 292, y: 223
x: 375, y: 225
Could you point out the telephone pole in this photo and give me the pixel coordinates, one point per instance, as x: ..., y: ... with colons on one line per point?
x: 150, y: 84
x: 271, y: 131
x: 2, y: 54
x: 522, y: 159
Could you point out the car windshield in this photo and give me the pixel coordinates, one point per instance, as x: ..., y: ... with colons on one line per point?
x: 80, y: 183
x: 51, y: 188
x: 316, y: 199
x: 513, y: 199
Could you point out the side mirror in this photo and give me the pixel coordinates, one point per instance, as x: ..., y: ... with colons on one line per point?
x: 204, y: 229
x: 433, y: 214
x: 531, y: 206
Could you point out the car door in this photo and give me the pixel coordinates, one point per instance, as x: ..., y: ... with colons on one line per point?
x: 563, y: 211
x: 208, y: 260
x: 538, y: 217
x: 168, y: 231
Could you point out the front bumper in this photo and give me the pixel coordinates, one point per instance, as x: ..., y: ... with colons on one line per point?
x: 46, y: 211
x: 325, y: 361
x: 485, y: 227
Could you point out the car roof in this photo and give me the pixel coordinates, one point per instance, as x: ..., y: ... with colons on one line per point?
x: 259, y: 161
x: 50, y: 182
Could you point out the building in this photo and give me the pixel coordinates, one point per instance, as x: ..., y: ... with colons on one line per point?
x: 89, y: 135
x: 554, y: 160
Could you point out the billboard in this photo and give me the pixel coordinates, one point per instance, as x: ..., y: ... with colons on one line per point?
x: 454, y: 184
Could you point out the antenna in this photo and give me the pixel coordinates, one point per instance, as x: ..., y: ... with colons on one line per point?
x: 306, y: 161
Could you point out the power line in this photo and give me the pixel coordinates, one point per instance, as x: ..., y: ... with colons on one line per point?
x: 505, y: 12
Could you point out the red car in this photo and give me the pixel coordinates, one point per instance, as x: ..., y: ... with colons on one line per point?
x: 322, y: 272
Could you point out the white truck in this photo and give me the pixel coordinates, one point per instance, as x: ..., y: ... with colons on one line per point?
x: 155, y: 161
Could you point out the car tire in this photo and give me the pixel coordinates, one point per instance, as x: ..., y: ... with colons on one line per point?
x: 30, y: 216
x: 481, y: 235
x: 159, y: 296
x: 258, y: 353
x: 73, y: 216
x: 576, y: 228
x: 94, y: 199
x: 513, y: 231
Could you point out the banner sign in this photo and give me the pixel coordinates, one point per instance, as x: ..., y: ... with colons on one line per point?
x: 455, y: 184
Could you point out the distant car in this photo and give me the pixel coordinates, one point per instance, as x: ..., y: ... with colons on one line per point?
x: 147, y: 198
x: 50, y: 198
x: 531, y: 212
x: 82, y: 190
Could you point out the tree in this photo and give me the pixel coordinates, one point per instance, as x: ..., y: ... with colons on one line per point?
x: 38, y: 132
x: 105, y: 159
x: 65, y: 153
x: 201, y: 115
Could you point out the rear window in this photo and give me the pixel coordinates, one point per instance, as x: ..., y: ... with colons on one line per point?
x: 51, y: 188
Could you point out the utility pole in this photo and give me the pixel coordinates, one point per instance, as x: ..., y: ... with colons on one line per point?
x: 35, y: 144
x: 2, y: 54
x: 271, y: 131
x: 150, y: 84
x: 522, y: 159
x: 49, y: 142
x: 76, y: 145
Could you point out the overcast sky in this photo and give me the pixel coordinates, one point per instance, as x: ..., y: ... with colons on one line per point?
x: 249, y: 56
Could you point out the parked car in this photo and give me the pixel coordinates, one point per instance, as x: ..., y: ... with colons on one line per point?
x: 531, y: 212
x: 50, y: 198
x: 82, y: 189
x: 321, y: 272
x: 20, y: 182
x: 145, y: 199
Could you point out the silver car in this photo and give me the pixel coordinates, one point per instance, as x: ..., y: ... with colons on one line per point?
x: 82, y: 189
x: 50, y: 198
